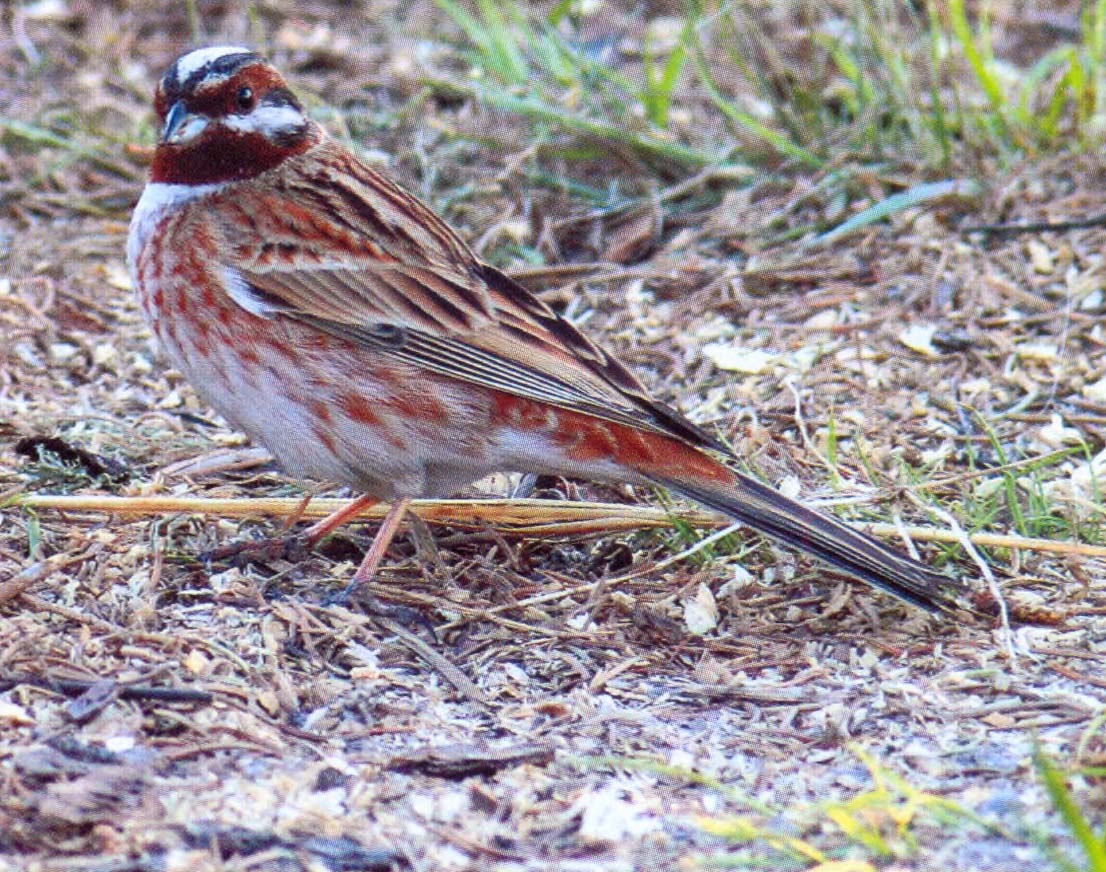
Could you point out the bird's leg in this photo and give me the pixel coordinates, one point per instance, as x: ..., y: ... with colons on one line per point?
x: 367, y: 570
x: 321, y: 529
x: 379, y: 547
x: 297, y: 512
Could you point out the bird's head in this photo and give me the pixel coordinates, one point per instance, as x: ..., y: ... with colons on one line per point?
x: 225, y: 115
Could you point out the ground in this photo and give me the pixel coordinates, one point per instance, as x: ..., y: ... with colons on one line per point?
x: 599, y: 701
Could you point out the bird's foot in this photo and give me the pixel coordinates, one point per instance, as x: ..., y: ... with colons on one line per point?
x: 352, y: 596
x: 287, y: 546
x: 291, y: 546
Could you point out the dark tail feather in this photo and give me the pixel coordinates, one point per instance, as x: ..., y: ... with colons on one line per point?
x: 766, y: 510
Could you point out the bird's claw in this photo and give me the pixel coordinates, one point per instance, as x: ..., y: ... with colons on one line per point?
x: 375, y: 607
x: 292, y: 547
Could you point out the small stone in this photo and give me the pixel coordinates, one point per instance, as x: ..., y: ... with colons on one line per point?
x: 1045, y: 352
x: 1093, y: 301
x: 1040, y: 256
x: 141, y: 364
x: 170, y: 401
x: 60, y: 352
x: 731, y: 358
x: 269, y: 702
x: 790, y: 487
x: 197, y: 662
x: 13, y: 715
x: 701, y: 613
x: 919, y: 338
x: 118, y: 277
x: 824, y: 320
x: 607, y: 818
x: 106, y: 355
x: 1055, y: 435
x: 119, y: 744
x: 1096, y: 391
x: 46, y: 10
x: 663, y: 33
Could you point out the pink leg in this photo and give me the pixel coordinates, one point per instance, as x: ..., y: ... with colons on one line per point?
x: 294, y: 518
x: 321, y: 529
x: 379, y: 547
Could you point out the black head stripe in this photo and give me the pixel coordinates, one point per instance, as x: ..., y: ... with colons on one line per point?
x: 219, y: 67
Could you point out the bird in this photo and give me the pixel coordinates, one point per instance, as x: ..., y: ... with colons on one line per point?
x: 333, y: 317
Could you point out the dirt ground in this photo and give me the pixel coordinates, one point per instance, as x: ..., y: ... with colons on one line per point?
x: 577, y: 706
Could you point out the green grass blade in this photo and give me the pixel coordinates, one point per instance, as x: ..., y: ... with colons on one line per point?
x: 1093, y: 845
x: 657, y: 94
x: 980, y: 68
x: 536, y: 109
x: 497, y: 50
x: 938, y: 124
x: 1032, y: 83
x: 915, y: 196
x: 743, y: 119
x: 559, y: 12
x: 1009, y: 479
x: 40, y: 136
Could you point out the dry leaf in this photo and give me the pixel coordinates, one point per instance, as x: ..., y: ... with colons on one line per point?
x: 701, y: 613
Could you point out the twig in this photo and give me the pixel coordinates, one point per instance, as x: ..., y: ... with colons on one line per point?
x: 492, y: 613
x: 705, y: 542
x: 32, y: 575
x: 960, y: 478
x: 467, y: 613
x: 75, y: 687
x: 741, y: 689
x: 212, y: 748
x: 668, y: 195
x: 1036, y: 227
x: 41, y: 136
x: 800, y: 424
x: 600, y: 680
x: 447, y: 670
x: 990, y: 540
x: 984, y: 570
x: 41, y: 605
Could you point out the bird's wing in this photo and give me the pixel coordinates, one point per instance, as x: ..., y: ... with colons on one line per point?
x: 330, y: 242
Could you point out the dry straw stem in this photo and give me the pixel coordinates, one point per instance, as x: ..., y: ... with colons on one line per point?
x: 519, y: 517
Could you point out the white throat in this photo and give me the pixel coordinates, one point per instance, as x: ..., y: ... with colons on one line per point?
x: 158, y: 198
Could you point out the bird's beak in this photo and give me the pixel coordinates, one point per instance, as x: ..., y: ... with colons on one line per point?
x: 180, y: 125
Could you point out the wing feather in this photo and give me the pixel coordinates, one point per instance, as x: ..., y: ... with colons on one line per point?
x: 398, y: 280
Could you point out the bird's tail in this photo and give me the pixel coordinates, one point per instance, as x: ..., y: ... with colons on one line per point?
x: 763, y: 508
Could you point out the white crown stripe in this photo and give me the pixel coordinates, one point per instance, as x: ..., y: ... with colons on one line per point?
x: 196, y: 60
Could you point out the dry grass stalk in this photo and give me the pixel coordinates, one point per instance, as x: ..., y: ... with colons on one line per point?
x: 519, y: 517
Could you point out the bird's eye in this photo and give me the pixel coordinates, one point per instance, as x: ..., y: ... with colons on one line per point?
x: 245, y: 99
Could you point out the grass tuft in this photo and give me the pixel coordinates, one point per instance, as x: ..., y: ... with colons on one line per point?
x: 1092, y: 845
x: 878, y: 79
x: 873, y: 827
x: 544, y: 70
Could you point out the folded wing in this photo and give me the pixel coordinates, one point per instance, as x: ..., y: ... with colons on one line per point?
x: 398, y: 280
